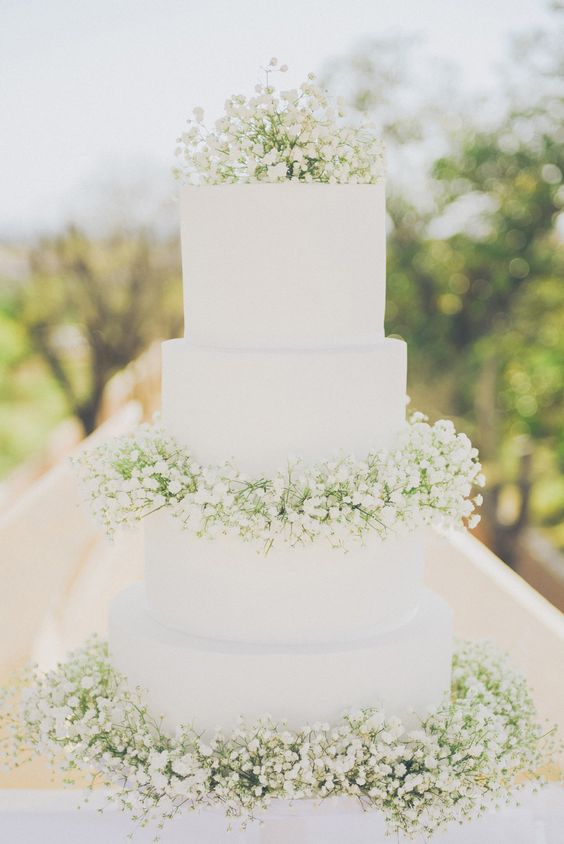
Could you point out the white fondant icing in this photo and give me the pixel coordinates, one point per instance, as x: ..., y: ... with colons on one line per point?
x: 284, y: 307
x: 212, y: 683
x: 278, y: 265
x: 258, y: 407
x: 224, y: 588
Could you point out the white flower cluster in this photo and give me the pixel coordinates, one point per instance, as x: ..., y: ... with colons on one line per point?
x: 465, y: 756
x: 296, y: 135
x: 426, y: 478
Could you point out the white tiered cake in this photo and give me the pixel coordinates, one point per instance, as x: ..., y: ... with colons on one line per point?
x: 284, y: 354
x: 283, y: 646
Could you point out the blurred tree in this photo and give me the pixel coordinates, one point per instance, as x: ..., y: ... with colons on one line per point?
x: 414, y: 100
x: 92, y: 306
x: 475, y: 276
x: 486, y: 305
x: 501, y: 300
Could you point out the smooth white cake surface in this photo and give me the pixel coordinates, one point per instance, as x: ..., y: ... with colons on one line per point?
x: 260, y: 406
x: 224, y: 588
x: 283, y: 265
x: 284, y: 358
x: 210, y: 683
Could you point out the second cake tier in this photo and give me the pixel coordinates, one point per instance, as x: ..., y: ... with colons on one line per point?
x: 258, y: 407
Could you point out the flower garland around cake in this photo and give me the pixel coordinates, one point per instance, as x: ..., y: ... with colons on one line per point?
x: 426, y: 478
x: 469, y: 754
x: 296, y: 135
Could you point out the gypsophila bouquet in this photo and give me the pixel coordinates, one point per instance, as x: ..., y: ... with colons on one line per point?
x: 425, y: 479
x: 463, y: 758
x: 296, y: 135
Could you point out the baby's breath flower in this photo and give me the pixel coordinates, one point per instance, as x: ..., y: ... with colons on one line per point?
x: 465, y: 756
x: 425, y: 479
x: 295, y: 135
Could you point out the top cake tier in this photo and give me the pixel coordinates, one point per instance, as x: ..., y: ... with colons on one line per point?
x: 288, y: 265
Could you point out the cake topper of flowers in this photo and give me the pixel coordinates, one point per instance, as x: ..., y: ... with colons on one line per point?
x: 297, y: 135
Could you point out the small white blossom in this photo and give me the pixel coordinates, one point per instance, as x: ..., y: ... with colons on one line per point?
x: 294, y: 135
x: 426, y: 478
x: 464, y: 757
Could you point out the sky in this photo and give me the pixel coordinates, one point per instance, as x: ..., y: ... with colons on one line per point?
x: 93, y: 93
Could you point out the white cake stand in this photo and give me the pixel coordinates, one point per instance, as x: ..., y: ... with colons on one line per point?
x: 339, y: 820
x: 52, y: 817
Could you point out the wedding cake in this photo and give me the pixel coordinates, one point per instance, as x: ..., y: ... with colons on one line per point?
x: 283, y: 645
x: 284, y: 290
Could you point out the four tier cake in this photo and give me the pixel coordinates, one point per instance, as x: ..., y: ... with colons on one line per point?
x: 283, y: 645
x: 285, y: 354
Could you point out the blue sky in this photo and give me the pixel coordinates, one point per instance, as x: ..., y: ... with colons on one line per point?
x: 99, y: 89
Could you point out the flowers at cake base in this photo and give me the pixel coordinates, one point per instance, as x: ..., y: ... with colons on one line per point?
x: 465, y: 757
x: 425, y: 479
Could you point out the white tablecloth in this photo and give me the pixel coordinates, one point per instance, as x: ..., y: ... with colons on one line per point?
x: 52, y: 817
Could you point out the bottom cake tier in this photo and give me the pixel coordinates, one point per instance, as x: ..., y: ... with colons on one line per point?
x: 209, y: 683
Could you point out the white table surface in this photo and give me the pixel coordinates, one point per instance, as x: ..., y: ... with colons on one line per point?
x: 53, y: 817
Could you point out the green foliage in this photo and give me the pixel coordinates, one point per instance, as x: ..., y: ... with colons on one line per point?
x: 482, y: 307
x: 486, y: 305
x: 30, y: 402
x: 85, y: 310
x: 90, y: 307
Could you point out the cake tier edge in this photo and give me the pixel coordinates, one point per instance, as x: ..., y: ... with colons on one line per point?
x: 211, y: 684
x: 257, y: 406
x: 225, y: 588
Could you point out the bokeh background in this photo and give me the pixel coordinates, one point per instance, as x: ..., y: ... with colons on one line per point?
x: 470, y: 101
